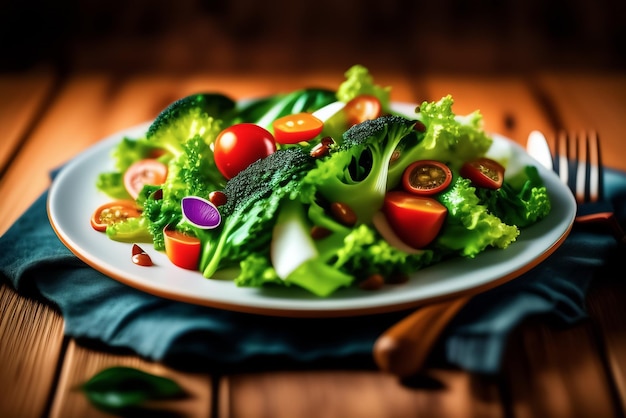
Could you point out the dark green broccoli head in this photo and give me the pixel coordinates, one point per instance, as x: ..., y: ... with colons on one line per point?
x: 253, y: 198
x: 279, y: 171
x: 377, y: 132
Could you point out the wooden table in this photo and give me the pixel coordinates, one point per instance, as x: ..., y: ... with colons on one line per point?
x: 48, y: 117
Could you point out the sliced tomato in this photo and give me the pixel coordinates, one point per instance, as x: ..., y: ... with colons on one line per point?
x: 239, y: 145
x: 484, y: 172
x: 183, y: 250
x: 416, y: 220
x: 361, y: 108
x: 112, y: 212
x: 142, y: 172
x: 426, y: 177
x: 299, y: 127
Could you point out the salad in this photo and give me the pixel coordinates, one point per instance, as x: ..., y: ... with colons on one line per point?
x: 315, y: 188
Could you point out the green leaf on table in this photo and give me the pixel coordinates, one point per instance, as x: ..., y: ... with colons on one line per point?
x: 119, y: 389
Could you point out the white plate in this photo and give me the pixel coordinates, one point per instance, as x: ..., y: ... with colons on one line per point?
x: 73, y: 197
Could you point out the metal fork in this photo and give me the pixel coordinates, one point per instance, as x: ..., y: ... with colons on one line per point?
x: 578, y: 163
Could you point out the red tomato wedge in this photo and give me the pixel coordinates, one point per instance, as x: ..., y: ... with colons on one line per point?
x: 182, y: 250
x: 426, y: 177
x: 361, y: 108
x: 416, y: 220
x: 147, y: 171
x: 112, y: 212
x: 239, y: 145
x: 299, y: 127
x: 484, y: 172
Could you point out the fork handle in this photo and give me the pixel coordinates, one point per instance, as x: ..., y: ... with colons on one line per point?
x: 606, y: 218
x: 403, y: 349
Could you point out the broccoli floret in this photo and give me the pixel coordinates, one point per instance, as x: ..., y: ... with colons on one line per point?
x: 188, y: 117
x: 253, y: 197
x: 355, y: 172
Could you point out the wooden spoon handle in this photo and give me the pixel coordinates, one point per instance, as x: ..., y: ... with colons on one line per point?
x: 402, y: 349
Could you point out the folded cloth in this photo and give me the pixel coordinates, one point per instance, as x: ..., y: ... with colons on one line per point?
x: 98, y: 309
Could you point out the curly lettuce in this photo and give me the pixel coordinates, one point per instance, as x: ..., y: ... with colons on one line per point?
x: 470, y: 227
x: 359, y: 81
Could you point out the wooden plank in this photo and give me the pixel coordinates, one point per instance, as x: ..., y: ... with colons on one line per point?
x: 82, y: 363
x: 21, y: 98
x: 556, y: 372
x: 70, y: 124
x: 608, y: 313
x: 31, y: 341
x: 89, y: 108
x: 592, y: 101
x: 340, y: 394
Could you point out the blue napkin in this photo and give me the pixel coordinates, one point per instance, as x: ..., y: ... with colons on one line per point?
x: 99, y: 310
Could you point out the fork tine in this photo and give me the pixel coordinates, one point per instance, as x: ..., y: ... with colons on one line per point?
x: 582, y: 165
x: 562, y: 152
x: 579, y: 164
x: 588, y: 170
x: 595, y: 167
x: 579, y: 156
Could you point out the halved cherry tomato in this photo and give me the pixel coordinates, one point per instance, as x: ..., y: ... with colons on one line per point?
x: 142, y: 172
x: 426, y: 177
x: 112, y: 212
x: 183, y: 250
x: 361, y: 108
x: 239, y: 145
x: 484, y: 172
x: 416, y: 220
x: 299, y: 127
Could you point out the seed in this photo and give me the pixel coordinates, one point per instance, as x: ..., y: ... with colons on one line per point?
x: 343, y: 213
x: 419, y: 126
x: 217, y: 198
x: 320, y: 150
x: 319, y: 232
x: 373, y: 282
x: 157, y: 195
x: 140, y: 257
x: 327, y: 140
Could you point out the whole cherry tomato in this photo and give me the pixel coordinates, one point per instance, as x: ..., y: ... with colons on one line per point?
x: 484, y: 172
x: 239, y: 145
x: 361, y: 108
